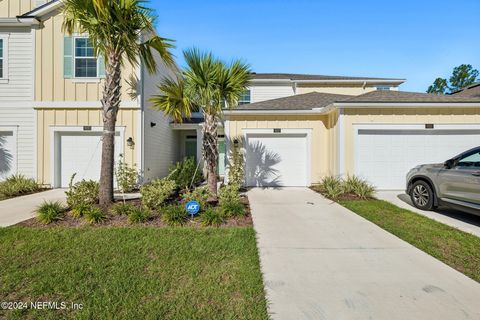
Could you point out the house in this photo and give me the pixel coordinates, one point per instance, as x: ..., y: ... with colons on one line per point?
x: 50, y: 90
x: 299, y: 128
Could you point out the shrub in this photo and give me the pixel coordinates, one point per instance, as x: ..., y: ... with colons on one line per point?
x: 236, y: 173
x: 358, y: 187
x: 82, y: 192
x: 174, y: 215
x: 122, y: 209
x: 138, y: 215
x: 331, y: 187
x: 80, y: 210
x: 18, y: 185
x: 155, y: 193
x: 95, y: 215
x: 127, y: 176
x: 232, y: 209
x: 212, y: 217
x: 185, y: 173
x: 200, y: 194
x: 49, y: 212
x: 228, y: 194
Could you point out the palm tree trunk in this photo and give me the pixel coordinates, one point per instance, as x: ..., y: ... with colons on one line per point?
x: 210, y: 152
x: 110, y: 104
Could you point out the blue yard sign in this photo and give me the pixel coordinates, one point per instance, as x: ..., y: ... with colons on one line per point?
x: 192, y: 207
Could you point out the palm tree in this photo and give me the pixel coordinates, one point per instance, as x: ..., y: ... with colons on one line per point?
x: 210, y: 84
x: 119, y: 31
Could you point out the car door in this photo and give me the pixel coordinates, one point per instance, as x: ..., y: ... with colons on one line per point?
x: 462, y: 181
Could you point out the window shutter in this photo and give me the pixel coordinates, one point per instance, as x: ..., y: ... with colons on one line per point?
x: 101, y: 66
x: 67, y: 57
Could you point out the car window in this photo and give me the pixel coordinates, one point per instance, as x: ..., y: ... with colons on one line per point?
x: 472, y: 160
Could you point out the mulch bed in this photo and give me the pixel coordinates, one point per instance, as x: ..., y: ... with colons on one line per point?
x: 154, y: 221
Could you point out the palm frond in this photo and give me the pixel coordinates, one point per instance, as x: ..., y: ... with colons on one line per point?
x: 172, y: 100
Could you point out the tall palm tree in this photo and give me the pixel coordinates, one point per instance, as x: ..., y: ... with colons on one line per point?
x: 119, y: 30
x: 210, y: 84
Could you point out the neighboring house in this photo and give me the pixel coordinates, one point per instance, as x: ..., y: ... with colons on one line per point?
x: 472, y: 90
x: 50, y: 111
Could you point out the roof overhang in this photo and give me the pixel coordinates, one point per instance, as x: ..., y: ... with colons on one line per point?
x: 19, y: 22
x: 278, y: 112
x: 42, y: 10
x: 332, y: 81
x: 407, y: 104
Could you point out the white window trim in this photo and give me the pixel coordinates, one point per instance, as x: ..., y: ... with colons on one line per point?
x: 244, y: 101
x: 74, y: 56
x: 5, y: 76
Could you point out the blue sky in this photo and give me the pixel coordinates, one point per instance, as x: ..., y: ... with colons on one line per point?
x: 417, y: 40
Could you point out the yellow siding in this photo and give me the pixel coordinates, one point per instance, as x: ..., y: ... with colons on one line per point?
x: 50, y: 84
x: 46, y: 118
x: 13, y: 8
x: 401, y: 116
x: 322, y: 136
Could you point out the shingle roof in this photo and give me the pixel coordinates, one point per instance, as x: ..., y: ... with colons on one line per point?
x: 296, y: 76
x: 306, y: 101
x: 34, y: 11
x: 405, y: 97
x: 472, y: 90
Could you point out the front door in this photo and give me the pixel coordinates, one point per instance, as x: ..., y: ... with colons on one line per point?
x: 221, y: 157
x: 191, y: 149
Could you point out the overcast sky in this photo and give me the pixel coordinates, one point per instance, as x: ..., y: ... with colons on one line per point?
x: 417, y: 40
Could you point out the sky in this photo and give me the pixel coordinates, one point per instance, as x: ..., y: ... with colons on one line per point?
x: 415, y: 40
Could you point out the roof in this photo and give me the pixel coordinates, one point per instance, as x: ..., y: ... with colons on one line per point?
x: 472, y: 90
x: 391, y: 96
x: 43, y: 9
x: 300, y: 77
x: 306, y: 101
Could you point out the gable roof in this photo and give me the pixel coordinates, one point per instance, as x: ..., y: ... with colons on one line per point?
x: 298, y: 76
x: 42, y: 10
x: 472, y: 90
x: 390, y: 96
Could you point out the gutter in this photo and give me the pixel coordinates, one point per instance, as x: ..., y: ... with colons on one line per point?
x: 446, y: 104
x: 277, y: 112
x: 19, y: 21
x: 332, y: 81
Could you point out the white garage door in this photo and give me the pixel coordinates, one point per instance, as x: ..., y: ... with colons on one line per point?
x: 8, y: 154
x: 81, y: 153
x: 276, y: 160
x: 384, y: 156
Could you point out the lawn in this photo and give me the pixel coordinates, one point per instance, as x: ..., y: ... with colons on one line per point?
x: 458, y: 249
x: 133, y: 273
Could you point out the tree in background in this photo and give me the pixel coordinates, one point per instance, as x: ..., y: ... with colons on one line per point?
x: 119, y: 31
x: 462, y: 76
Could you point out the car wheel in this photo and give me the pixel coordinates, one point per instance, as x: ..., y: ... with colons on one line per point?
x: 422, y: 195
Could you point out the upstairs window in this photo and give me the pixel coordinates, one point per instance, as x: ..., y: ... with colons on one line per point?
x: 85, y: 60
x: 383, y: 88
x: 1, y: 58
x: 244, y: 97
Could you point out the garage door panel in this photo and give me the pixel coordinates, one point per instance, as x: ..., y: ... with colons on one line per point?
x: 276, y: 160
x: 384, y: 156
x: 8, y: 155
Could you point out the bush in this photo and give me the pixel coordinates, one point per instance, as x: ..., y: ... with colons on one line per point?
x: 185, y: 173
x: 212, y: 217
x: 174, y: 215
x: 82, y: 192
x: 49, y: 212
x: 228, y: 194
x: 138, y: 215
x: 236, y: 174
x: 122, y: 209
x: 80, y: 210
x: 155, y: 193
x: 127, y: 176
x: 200, y: 194
x: 232, y: 209
x: 358, y: 187
x: 331, y: 187
x: 18, y: 185
x: 95, y: 215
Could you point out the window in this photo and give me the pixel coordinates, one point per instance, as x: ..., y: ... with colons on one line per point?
x: 471, y: 160
x: 85, y: 60
x: 2, y: 59
x: 383, y: 88
x: 244, y: 98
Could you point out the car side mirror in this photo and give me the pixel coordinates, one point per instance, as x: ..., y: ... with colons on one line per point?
x: 449, y: 163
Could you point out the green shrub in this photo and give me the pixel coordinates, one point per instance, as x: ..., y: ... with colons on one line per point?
x: 82, y: 192
x: 358, y: 187
x: 200, y: 194
x: 95, y: 215
x: 157, y: 192
x: 49, y: 212
x: 80, y: 210
x: 331, y: 187
x: 229, y: 194
x: 138, y: 215
x: 174, y: 215
x: 233, y: 209
x: 18, y: 185
x: 127, y: 176
x: 212, y: 217
x: 236, y: 173
x: 185, y: 173
x: 122, y: 209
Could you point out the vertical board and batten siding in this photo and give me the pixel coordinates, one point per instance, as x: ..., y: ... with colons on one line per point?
x: 400, y: 116
x: 262, y: 92
x: 322, y: 161
x: 47, y: 118
x: 51, y: 84
x: 13, y: 8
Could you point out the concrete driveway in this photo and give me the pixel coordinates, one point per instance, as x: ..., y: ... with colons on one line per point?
x: 454, y: 218
x: 15, y: 210
x: 321, y: 261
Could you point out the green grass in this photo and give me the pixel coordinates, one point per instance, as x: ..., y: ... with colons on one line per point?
x: 133, y: 273
x: 456, y: 248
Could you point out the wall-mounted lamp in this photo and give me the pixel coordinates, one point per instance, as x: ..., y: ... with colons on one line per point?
x: 152, y: 124
x: 130, y: 143
x: 235, y: 142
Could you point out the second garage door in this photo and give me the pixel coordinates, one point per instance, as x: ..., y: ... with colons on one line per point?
x: 276, y: 160
x: 384, y: 156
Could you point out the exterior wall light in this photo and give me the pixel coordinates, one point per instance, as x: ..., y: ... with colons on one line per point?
x: 130, y: 143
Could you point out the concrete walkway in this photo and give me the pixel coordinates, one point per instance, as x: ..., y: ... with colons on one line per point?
x: 15, y: 210
x: 321, y: 261
x: 454, y: 218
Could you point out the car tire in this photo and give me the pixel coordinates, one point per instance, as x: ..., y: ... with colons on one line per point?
x: 422, y: 195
